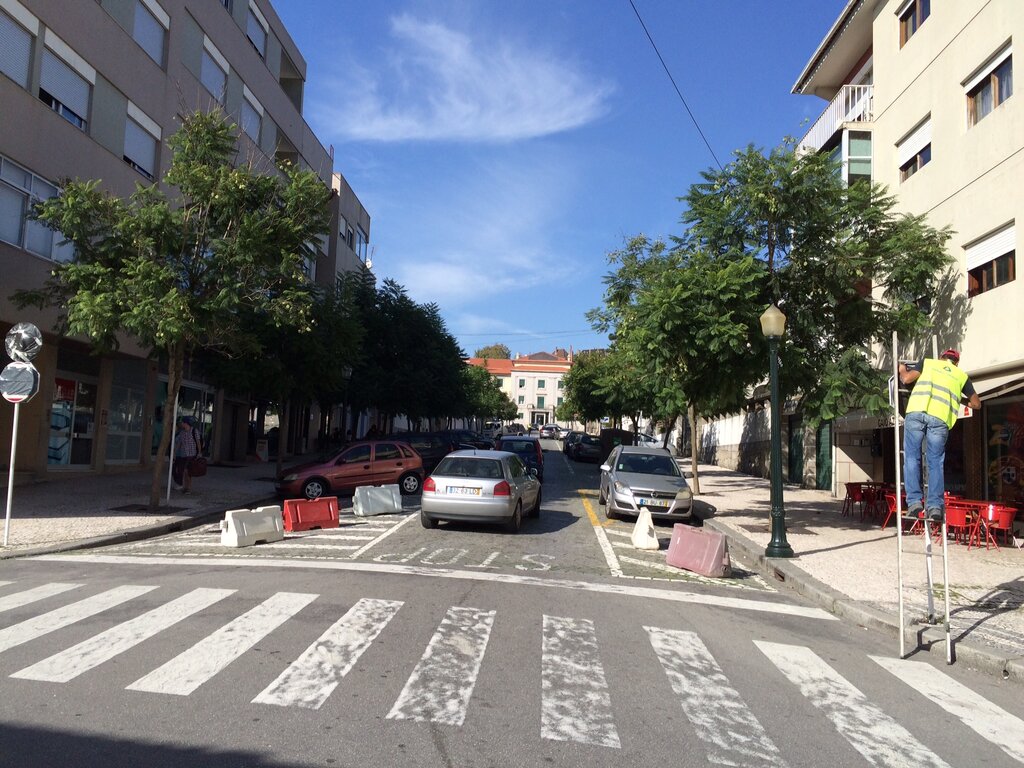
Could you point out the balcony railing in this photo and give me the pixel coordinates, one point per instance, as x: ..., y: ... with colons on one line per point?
x: 853, y: 104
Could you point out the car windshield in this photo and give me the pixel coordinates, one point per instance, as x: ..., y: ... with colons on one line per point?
x: 465, y: 466
x: 518, y: 446
x: 590, y: 440
x: 647, y: 464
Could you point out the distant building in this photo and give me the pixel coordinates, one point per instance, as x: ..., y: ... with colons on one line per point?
x: 533, y: 382
x: 92, y: 90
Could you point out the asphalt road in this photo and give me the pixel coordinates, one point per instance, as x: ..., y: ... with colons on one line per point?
x: 383, y: 643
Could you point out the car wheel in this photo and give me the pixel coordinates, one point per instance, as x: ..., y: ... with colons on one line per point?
x: 535, y: 512
x: 314, y: 488
x: 610, y: 513
x: 601, y: 497
x: 427, y: 522
x: 516, y: 520
x: 409, y: 484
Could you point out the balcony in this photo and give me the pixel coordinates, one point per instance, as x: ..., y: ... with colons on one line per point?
x: 853, y: 104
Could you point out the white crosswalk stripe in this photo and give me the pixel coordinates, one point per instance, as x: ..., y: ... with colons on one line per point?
x: 190, y: 669
x: 19, y: 599
x: 58, y: 618
x: 719, y: 714
x: 440, y: 687
x: 879, y: 738
x: 575, y: 703
x: 90, y: 653
x: 314, y: 675
x: 980, y: 715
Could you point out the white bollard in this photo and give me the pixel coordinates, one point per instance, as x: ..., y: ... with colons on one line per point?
x: 244, y: 527
x: 376, y: 500
x: 644, y: 535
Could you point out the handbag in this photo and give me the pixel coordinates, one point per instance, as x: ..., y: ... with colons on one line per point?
x: 197, y: 467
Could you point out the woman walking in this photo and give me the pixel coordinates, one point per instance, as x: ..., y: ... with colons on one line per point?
x: 187, y: 445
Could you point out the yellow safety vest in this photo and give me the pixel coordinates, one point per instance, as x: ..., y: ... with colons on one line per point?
x: 937, y: 391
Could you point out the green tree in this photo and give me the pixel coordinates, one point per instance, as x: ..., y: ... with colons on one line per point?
x: 484, y: 396
x: 582, y: 400
x: 494, y: 352
x: 185, y: 273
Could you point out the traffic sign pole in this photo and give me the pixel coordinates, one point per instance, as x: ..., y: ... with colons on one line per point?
x: 10, y: 475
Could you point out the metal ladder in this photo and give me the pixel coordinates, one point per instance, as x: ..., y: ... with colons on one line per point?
x: 930, y: 618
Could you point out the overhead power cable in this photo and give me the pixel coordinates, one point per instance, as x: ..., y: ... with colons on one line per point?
x: 673, y: 80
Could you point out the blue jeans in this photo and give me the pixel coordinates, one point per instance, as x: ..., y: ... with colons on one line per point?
x: 931, y: 432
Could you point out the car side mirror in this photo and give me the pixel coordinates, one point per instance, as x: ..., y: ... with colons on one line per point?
x: 605, y: 468
x: 532, y: 471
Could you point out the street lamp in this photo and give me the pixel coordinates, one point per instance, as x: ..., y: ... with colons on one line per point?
x: 773, y: 325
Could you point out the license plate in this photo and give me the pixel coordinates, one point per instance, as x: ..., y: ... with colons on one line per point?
x: 459, y: 490
x: 654, y: 503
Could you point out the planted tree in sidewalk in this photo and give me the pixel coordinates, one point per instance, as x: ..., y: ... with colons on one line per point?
x: 184, y: 272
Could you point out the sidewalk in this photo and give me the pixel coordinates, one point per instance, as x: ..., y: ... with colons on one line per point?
x: 847, y: 566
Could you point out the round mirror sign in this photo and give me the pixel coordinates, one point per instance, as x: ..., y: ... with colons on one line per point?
x: 19, y: 382
x: 23, y: 342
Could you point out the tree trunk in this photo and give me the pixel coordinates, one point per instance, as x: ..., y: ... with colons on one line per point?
x: 175, y: 365
x: 282, y: 433
x: 694, y: 442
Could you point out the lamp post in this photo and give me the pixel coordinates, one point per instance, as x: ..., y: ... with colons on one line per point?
x: 773, y: 325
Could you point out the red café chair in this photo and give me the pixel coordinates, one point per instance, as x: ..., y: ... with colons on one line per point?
x: 1004, y: 523
x: 854, y: 495
x: 989, y: 519
x: 958, y: 521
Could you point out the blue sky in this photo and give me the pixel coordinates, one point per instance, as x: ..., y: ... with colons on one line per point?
x: 504, y: 147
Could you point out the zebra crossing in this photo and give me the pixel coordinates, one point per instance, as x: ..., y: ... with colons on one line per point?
x: 576, y: 698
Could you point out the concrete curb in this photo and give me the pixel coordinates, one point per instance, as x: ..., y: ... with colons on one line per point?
x: 175, y: 524
x: 928, y: 638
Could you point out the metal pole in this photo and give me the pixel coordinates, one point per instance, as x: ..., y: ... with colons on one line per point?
x: 10, y: 474
x: 945, y: 578
x: 899, y: 490
x: 778, y: 546
x: 170, y: 460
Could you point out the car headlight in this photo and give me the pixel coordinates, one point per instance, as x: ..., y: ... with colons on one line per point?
x: 621, y: 487
x: 289, y: 478
x: 684, y: 495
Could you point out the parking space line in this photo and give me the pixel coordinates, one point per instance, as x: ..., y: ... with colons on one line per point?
x: 381, y: 538
x: 602, y: 538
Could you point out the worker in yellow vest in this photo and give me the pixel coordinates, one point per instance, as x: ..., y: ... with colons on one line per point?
x: 939, y: 389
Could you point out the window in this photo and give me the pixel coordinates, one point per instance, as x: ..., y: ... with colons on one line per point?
x: 256, y: 30
x: 15, y: 50
x: 149, y: 31
x: 387, y: 452
x: 522, y: 399
x: 858, y: 157
x: 362, y: 241
x: 64, y: 91
x: 561, y: 384
x: 350, y: 238
x: 915, y: 151
x: 252, y: 115
x: 540, y: 383
x: 19, y: 190
x: 540, y: 401
x: 522, y: 383
x: 519, y: 416
x: 559, y: 401
x: 991, y: 88
x: 227, y: 5
x: 213, y: 71
x: 991, y: 261
x: 912, y: 16
x: 140, y: 142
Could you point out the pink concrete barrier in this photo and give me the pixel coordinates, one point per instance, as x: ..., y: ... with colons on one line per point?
x: 699, y: 550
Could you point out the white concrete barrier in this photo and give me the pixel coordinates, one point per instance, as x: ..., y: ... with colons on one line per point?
x: 245, y: 527
x: 644, y: 536
x: 376, y: 500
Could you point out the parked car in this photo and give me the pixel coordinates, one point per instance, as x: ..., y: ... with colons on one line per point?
x: 431, y: 446
x: 587, y: 448
x: 367, y: 462
x: 481, y: 487
x: 467, y: 438
x: 636, y: 477
x: 527, y: 448
x: 551, y: 431
x: 570, y: 439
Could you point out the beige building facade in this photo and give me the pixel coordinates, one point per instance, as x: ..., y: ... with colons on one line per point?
x: 91, y: 90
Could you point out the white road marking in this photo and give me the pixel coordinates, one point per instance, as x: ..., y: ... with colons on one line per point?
x: 69, y: 664
x: 880, y: 739
x: 293, y: 544
x: 186, y: 672
x: 575, y: 703
x: 720, y: 716
x: 381, y: 538
x: 671, y: 595
x: 18, y: 599
x: 16, y: 634
x: 5, y: 583
x: 602, y: 540
x: 311, y: 678
x: 977, y: 713
x: 698, y: 578
x: 617, y: 532
x: 439, y: 688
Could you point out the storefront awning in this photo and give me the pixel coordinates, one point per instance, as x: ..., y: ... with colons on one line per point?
x: 998, y: 386
x: 860, y: 421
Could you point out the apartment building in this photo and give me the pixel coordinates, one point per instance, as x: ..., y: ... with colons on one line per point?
x: 533, y: 382
x: 920, y: 98
x: 90, y: 89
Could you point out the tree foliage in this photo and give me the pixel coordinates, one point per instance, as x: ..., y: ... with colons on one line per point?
x: 494, y: 352
x: 189, y: 271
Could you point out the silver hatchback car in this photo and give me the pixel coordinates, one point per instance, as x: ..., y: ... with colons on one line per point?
x: 637, y: 477
x: 480, y: 486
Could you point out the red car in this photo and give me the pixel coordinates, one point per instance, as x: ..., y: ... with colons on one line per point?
x: 526, y: 448
x: 368, y: 462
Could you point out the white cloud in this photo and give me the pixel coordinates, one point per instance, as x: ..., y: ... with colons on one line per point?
x: 441, y: 84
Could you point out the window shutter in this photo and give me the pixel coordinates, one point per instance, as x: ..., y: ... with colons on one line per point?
x: 919, y: 138
x: 213, y: 76
x: 991, y: 247
x: 15, y: 50
x: 65, y: 85
x: 139, y: 146
x: 149, y: 33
